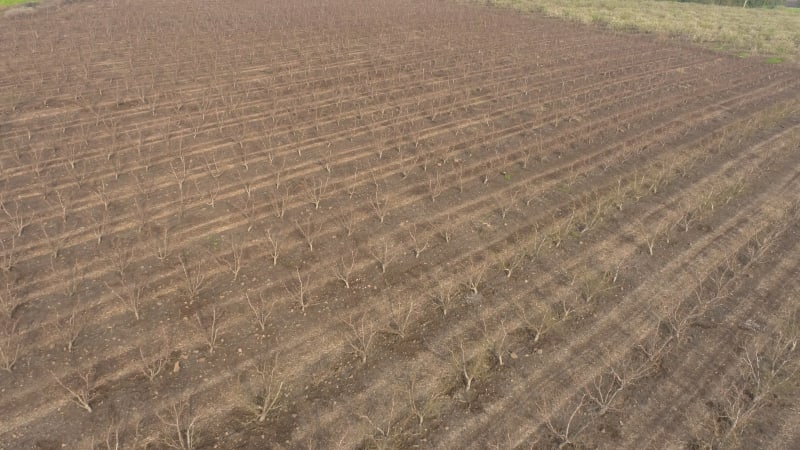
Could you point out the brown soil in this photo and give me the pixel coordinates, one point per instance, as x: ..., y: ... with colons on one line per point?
x: 553, y: 235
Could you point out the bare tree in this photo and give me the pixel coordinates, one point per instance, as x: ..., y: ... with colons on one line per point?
x: 180, y: 427
x: 266, y: 389
x: 161, y: 243
x: 8, y: 255
x: 317, y: 191
x: 382, y: 431
x: 248, y: 210
x: 210, y: 328
x: 212, y: 167
x: 143, y: 213
x: 73, y: 278
x: 592, y: 285
x: 233, y: 260
x: 361, y: 333
x: 512, y: 259
x: 129, y: 295
x: 112, y: 438
x: 652, y: 350
x: 211, y: 192
x: 279, y: 202
x: 64, y: 203
x: 193, y: 278
x: 343, y: 270
x: 9, y: 300
x: 153, y: 361
x: 496, y: 342
x: 55, y: 241
x: 466, y: 368
x: 247, y: 187
x: 14, y: 217
x: 446, y: 228
x: 507, y: 203
x: 384, y: 253
x: 261, y: 308
x: 536, y: 318
x: 351, y: 187
x: 686, y: 220
x: 380, y: 205
x: 327, y: 161
x: 119, y: 258
x: 400, y: 318
x: 348, y: 222
x: 71, y: 327
x: 444, y: 292
x: 406, y: 164
x: 309, y: 230
x: 272, y: 246
x: 435, y: 187
x: 604, y: 390
x: 420, y: 243
x: 300, y: 290
x: 474, y: 274
x: 565, y: 431
x: 180, y: 173
x: 10, y: 343
x: 687, y: 312
x: 422, y: 404
x: 101, y: 192
x: 278, y: 172
x: 99, y: 223
x: 81, y: 391
x: 651, y: 234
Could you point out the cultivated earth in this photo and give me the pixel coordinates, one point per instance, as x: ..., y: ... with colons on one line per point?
x: 391, y: 224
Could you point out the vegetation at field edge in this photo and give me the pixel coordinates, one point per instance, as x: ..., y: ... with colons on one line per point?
x: 756, y: 31
x: 7, y: 3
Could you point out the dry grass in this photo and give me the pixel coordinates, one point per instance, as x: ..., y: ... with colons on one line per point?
x: 773, y: 32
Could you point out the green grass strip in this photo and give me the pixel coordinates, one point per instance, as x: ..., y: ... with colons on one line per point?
x: 7, y: 3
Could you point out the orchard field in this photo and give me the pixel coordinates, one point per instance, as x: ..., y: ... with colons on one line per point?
x: 391, y: 224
